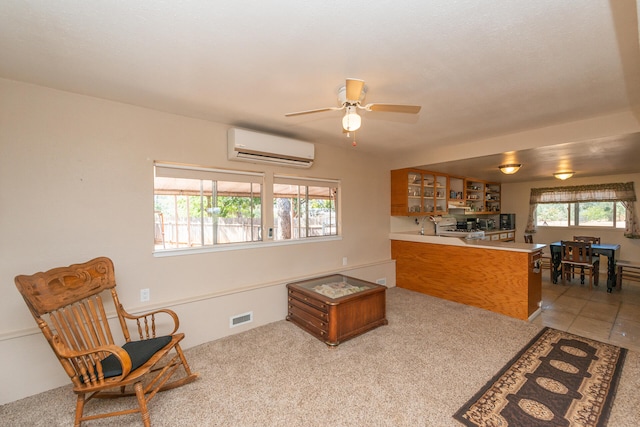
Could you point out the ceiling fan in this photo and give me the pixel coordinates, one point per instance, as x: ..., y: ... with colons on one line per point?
x: 350, y: 97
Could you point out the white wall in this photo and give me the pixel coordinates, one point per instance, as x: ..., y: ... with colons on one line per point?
x: 76, y: 182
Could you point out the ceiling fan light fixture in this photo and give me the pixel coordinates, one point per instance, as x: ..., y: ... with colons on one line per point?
x: 350, y: 97
x: 351, y: 121
x: 510, y: 169
x: 563, y: 175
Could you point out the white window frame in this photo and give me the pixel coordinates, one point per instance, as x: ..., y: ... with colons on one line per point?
x: 573, y: 216
x: 311, y: 182
x: 266, y: 180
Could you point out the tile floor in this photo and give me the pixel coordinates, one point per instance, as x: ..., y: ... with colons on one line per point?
x: 596, y: 314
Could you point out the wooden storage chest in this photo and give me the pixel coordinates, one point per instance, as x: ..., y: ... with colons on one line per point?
x: 336, y: 308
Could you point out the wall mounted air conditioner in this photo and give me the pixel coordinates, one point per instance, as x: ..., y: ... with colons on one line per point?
x: 255, y: 147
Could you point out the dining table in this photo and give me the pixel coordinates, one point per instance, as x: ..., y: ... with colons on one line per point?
x: 606, y: 249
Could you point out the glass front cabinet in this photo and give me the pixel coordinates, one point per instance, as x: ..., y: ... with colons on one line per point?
x: 416, y: 192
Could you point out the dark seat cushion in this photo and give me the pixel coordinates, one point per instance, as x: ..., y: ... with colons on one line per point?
x: 139, y: 352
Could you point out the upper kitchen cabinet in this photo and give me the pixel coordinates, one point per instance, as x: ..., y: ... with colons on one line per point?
x: 474, y: 194
x: 415, y: 192
x: 492, y: 197
x: 436, y: 190
x: 406, y: 192
x: 456, y: 192
x: 482, y: 196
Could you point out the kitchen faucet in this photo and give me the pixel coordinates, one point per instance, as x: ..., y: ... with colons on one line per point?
x: 422, y: 223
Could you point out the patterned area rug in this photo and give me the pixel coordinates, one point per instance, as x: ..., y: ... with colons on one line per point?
x: 558, y: 379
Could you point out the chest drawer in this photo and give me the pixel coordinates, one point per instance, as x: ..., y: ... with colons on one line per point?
x: 307, y: 300
x: 319, y: 314
x: 317, y: 326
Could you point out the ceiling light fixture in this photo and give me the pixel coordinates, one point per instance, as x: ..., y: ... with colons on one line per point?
x: 510, y: 169
x: 563, y: 175
x: 351, y: 120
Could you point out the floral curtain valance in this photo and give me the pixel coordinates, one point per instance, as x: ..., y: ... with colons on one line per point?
x: 614, y: 192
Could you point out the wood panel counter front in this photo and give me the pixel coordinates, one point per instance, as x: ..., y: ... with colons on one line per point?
x: 496, y: 276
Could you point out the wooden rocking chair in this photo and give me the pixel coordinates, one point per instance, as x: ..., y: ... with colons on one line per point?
x: 68, y: 308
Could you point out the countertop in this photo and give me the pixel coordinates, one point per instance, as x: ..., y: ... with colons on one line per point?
x: 497, y: 231
x: 414, y: 236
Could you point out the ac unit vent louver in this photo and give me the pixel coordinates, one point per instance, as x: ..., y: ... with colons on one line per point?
x: 255, y: 147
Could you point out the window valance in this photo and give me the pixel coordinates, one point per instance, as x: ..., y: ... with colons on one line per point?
x: 614, y: 192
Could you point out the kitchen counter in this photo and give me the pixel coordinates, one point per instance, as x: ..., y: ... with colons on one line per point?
x: 414, y: 236
x: 502, y: 277
x: 501, y: 235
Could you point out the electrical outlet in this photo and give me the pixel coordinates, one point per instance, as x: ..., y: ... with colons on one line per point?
x: 344, y: 260
x: 145, y: 295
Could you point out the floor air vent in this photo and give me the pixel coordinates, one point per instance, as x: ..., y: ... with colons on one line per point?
x: 240, y: 319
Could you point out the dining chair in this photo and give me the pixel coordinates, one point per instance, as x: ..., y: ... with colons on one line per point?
x: 591, y: 239
x: 579, y: 254
x: 67, y: 305
x: 545, y: 260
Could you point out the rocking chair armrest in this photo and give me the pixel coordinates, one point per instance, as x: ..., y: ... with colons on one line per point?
x: 98, y: 355
x: 152, y: 314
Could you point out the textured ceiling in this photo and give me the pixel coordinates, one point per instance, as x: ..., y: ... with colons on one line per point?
x: 597, y: 157
x: 478, y: 68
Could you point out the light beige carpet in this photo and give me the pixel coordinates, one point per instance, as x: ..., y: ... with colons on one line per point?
x: 417, y: 371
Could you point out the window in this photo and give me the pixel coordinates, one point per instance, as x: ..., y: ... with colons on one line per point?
x: 586, y: 214
x: 199, y: 207
x: 595, y: 205
x: 304, y: 208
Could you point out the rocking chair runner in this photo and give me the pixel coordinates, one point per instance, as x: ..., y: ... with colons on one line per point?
x: 68, y: 308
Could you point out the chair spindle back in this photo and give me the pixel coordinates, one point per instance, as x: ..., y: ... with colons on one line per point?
x: 68, y: 309
x: 577, y: 252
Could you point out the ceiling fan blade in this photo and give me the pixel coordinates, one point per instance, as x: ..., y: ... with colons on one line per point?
x: 393, y: 108
x: 354, y: 89
x: 319, y: 110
